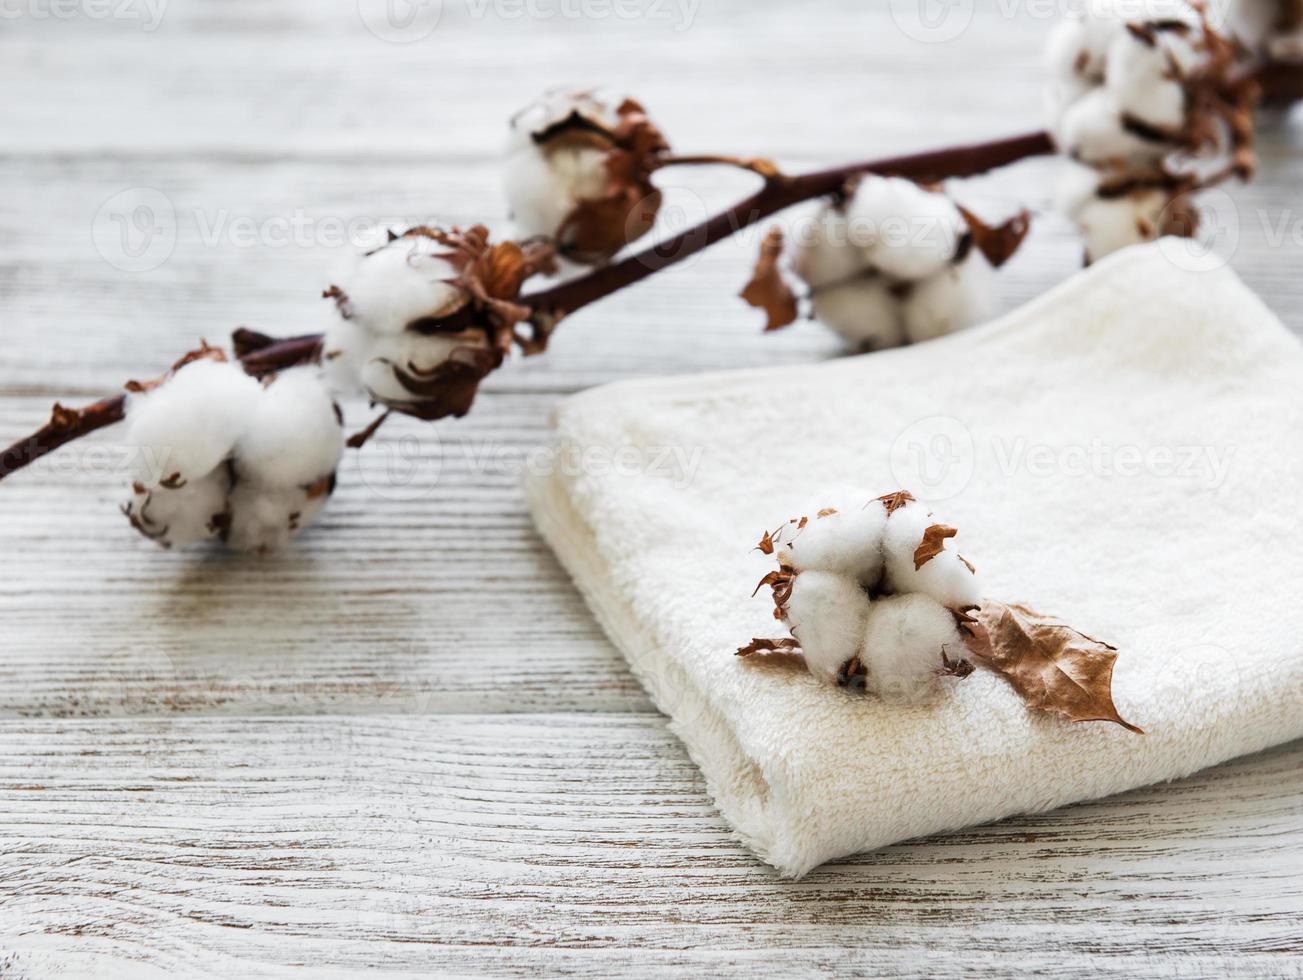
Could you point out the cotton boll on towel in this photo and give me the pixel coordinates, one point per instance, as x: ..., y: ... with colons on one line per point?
x: 914, y: 564
x: 826, y: 612
x: 842, y: 533
x: 905, y: 638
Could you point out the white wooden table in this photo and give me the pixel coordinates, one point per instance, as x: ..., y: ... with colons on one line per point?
x: 404, y: 744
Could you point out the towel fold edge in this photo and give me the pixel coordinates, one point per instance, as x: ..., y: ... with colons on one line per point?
x: 705, y: 733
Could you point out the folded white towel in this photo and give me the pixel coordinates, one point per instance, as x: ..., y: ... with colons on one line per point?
x: 1123, y: 453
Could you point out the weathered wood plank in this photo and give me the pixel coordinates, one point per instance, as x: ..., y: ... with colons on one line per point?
x: 475, y: 843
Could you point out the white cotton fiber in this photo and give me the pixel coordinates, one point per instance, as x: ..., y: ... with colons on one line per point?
x: 865, y: 312
x: 405, y: 280
x: 822, y: 251
x: 911, y: 232
x: 183, y: 516
x: 183, y: 429
x: 904, y: 639
x: 545, y: 182
x: 826, y: 613
x: 955, y: 298
x: 847, y: 542
x: 1141, y: 81
x: 1109, y: 224
x: 263, y: 517
x: 543, y: 187
x: 1092, y: 131
x: 345, y: 350
x: 945, y: 578
x: 294, y: 437
x: 1075, y: 187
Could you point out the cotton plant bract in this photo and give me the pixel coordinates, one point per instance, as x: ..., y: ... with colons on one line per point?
x: 876, y: 595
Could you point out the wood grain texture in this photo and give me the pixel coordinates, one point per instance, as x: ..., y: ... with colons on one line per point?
x: 511, y: 846
x: 404, y: 744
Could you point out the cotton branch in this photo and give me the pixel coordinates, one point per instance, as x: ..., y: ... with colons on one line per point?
x: 260, y: 354
x: 69, y: 424
x: 778, y: 194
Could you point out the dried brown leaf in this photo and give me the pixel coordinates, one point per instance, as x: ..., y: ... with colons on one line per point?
x: 759, y: 647
x: 599, y: 227
x: 449, y: 388
x: 934, y: 542
x: 1053, y: 667
x: 768, y: 290
x: 894, y: 501
x: 999, y: 242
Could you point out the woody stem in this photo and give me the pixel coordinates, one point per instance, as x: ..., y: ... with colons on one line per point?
x: 550, y: 305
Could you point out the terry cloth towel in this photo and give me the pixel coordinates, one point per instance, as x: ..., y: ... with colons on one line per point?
x: 1123, y: 453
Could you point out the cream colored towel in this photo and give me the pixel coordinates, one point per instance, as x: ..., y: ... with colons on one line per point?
x: 1125, y: 453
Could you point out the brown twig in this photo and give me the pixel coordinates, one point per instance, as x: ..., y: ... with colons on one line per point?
x: 550, y: 305
x: 262, y: 355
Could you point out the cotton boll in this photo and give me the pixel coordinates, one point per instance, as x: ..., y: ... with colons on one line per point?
x: 346, y: 348
x: 958, y: 296
x: 864, y: 311
x: 826, y: 613
x: 823, y: 253
x: 183, y: 429
x: 1060, y: 94
x: 1109, y: 224
x: 414, y: 354
x: 543, y: 187
x: 294, y: 438
x: 909, y: 232
x: 184, y: 515
x: 1092, y: 131
x: 406, y: 280
x: 1075, y: 188
x: 262, y: 518
x: 945, y: 578
x: 553, y: 165
x: 1066, y: 55
x: 1141, y: 79
x: 847, y: 542
x: 1101, y: 22
x: 904, y: 639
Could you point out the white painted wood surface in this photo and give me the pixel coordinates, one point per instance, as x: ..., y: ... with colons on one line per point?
x: 404, y: 744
